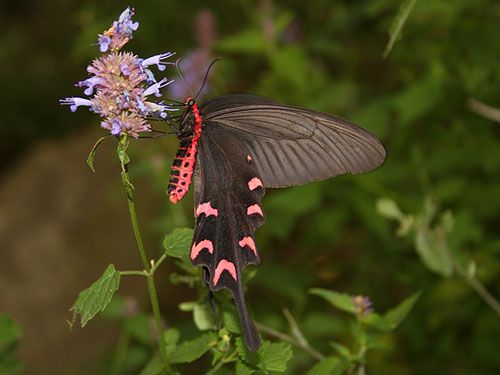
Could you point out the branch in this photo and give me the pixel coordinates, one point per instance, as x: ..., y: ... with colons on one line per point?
x: 489, y: 112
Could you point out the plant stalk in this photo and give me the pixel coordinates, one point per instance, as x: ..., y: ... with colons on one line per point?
x: 153, y: 296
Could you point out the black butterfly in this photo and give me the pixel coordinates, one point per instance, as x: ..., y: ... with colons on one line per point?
x: 238, y: 145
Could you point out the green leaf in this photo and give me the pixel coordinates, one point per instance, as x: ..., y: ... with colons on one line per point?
x: 153, y: 367
x: 10, y: 331
x: 398, y: 23
x: 244, y: 353
x: 203, y: 317
x: 91, y: 157
x: 342, y: 350
x: 274, y: 356
x: 190, y: 351
x: 96, y: 297
x: 389, y: 209
x: 433, y: 252
x: 341, y: 301
x: 171, y: 336
x: 329, y: 366
x: 243, y: 369
x: 176, y: 243
x: 230, y: 319
x: 396, y: 315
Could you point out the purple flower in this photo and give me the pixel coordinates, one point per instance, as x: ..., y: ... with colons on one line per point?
x: 104, y: 42
x: 363, y: 305
x: 116, y: 126
x: 120, y: 83
x: 90, y: 83
x: 74, y: 103
x: 155, y: 88
x: 125, y: 24
x: 158, y: 60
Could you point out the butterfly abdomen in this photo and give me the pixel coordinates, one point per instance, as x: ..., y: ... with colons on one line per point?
x: 185, y: 160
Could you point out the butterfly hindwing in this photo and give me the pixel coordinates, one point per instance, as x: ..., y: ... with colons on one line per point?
x: 228, y: 194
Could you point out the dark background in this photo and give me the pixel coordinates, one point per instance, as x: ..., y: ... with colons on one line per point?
x: 60, y: 225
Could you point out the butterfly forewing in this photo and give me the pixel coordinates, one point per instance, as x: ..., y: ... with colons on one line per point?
x: 293, y: 146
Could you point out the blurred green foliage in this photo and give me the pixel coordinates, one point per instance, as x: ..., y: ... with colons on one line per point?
x: 325, y: 55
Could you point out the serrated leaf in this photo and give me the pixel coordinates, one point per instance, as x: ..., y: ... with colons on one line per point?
x: 96, y: 297
x: 432, y: 253
x: 176, y: 243
x: 230, y: 319
x: 244, y: 354
x: 190, y: 351
x: 398, y: 23
x: 389, y: 209
x: 329, y: 366
x: 91, y: 157
x: 274, y: 356
x: 341, y: 301
x: 243, y: 369
x: 396, y: 315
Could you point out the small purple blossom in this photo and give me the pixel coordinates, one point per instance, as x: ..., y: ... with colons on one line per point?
x: 155, y: 88
x: 125, y: 23
x: 90, y: 83
x: 158, y: 60
x: 104, y: 42
x: 75, y: 102
x: 363, y: 305
x: 120, y: 83
x: 116, y: 126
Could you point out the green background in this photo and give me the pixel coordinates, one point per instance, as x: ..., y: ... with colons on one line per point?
x: 323, y: 55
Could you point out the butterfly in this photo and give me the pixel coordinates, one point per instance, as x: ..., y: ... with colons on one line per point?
x: 234, y: 147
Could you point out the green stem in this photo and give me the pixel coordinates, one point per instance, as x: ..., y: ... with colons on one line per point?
x: 291, y: 340
x: 222, y: 362
x: 149, y: 268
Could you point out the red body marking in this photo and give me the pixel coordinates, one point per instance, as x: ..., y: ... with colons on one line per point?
x: 205, y: 244
x: 207, y: 209
x: 224, y: 265
x: 254, y: 209
x: 183, y: 165
x: 248, y: 241
x: 254, y: 183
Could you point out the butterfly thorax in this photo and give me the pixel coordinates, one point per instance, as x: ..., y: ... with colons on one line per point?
x: 184, y: 162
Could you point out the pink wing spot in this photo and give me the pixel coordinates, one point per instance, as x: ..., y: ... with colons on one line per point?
x: 254, y: 209
x: 249, y: 158
x: 224, y: 265
x: 205, y: 244
x: 174, y: 198
x: 254, y: 183
x: 207, y: 209
x: 248, y: 241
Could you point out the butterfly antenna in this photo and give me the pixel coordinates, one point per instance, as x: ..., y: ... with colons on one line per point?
x: 178, y: 66
x: 206, y: 75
